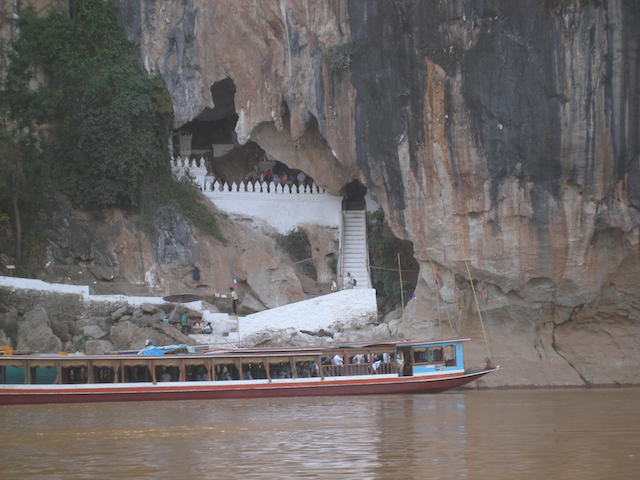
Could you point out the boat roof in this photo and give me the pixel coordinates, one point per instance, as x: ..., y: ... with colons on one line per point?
x: 255, y: 352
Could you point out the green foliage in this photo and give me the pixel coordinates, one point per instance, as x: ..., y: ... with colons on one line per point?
x: 381, y: 249
x: 296, y: 243
x: 4, y: 219
x: 105, y: 111
x: 333, y: 264
x: 383, y: 254
x: 34, y: 242
x: 185, y: 197
x: 339, y: 56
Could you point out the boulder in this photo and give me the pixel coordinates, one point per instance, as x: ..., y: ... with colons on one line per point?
x: 250, y: 304
x: 275, y: 283
x: 102, y: 322
x: 98, y: 347
x: 308, y: 283
x: 9, y: 321
x: 118, y: 314
x: 4, y: 340
x: 94, y: 332
x: 127, y: 335
x: 149, y: 308
x: 324, y: 244
x: 35, y: 333
x: 63, y: 329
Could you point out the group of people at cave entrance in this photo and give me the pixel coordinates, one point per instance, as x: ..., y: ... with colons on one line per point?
x: 280, y: 175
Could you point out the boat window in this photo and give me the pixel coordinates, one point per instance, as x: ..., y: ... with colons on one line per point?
x: 10, y: 374
x: 75, y: 375
x: 103, y: 374
x: 196, y: 373
x: 308, y: 369
x: 450, y: 356
x: 428, y: 355
x: 253, y: 370
x: 280, y: 368
x: 227, y: 371
x: 137, y: 374
x: 43, y: 375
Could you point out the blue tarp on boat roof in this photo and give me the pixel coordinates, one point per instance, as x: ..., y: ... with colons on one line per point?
x: 156, y: 350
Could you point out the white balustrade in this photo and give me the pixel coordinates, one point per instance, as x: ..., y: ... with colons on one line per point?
x: 281, y: 206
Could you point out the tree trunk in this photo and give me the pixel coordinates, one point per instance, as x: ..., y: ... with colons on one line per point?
x: 16, y: 216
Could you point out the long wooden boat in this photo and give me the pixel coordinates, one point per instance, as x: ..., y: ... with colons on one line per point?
x: 349, y: 369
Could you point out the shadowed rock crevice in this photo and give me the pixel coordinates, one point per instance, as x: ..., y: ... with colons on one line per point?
x: 557, y: 349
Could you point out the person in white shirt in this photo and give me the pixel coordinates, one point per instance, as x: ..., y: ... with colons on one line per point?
x: 337, y: 365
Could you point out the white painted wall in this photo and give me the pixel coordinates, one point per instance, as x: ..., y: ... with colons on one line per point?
x: 14, y: 283
x: 280, y: 207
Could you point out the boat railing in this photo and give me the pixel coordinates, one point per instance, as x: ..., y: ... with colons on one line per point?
x: 358, y: 369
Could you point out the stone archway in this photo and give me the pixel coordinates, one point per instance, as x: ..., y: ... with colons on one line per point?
x: 354, y: 196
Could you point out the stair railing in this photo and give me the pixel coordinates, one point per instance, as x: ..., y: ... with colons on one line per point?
x: 366, y: 250
x: 339, y: 272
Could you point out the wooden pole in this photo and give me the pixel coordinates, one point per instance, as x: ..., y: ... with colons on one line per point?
x: 475, y: 295
x: 437, y: 296
x: 404, y: 331
x: 443, y: 302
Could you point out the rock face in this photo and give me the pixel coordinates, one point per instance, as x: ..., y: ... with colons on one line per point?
x: 504, y: 139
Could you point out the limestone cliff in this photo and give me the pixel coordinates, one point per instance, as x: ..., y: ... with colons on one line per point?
x: 504, y: 133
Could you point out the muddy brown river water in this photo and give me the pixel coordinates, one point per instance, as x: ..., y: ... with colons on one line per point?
x: 502, y: 434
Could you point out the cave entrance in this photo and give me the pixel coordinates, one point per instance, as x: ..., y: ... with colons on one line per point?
x: 211, y: 135
x: 354, y: 196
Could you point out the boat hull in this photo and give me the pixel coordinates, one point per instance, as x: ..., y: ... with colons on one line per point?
x: 375, y: 385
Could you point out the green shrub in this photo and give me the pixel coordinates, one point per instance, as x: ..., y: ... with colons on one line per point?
x: 383, y: 257
x: 296, y: 243
x: 339, y: 56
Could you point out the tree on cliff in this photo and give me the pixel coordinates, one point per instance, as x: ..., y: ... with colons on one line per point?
x: 21, y: 166
x: 75, y: 72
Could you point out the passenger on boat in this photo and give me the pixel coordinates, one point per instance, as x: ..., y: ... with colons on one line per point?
x: 376, y: 365
x: 400, y: 362
x: 337, y: 365
x: 304, y: 372
x: 225, y: 374
x: 208, y: 329
x: 166, y: 376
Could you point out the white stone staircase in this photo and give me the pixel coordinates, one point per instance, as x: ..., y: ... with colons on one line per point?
x: 354, y: 248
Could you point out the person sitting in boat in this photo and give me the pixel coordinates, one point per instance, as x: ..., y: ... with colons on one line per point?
x: 304, y: 371
x: 208, y: 329
x: 166, y: 376
x: 225, y: 374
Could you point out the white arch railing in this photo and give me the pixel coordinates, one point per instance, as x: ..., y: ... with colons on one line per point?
x: 197, y: 170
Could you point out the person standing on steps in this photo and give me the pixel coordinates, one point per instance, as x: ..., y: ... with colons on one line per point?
x: 234, y: 297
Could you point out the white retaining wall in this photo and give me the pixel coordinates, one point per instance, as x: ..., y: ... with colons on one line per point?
x: 284, y: 207
x: 346, y: 308
x: 15, y: 283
